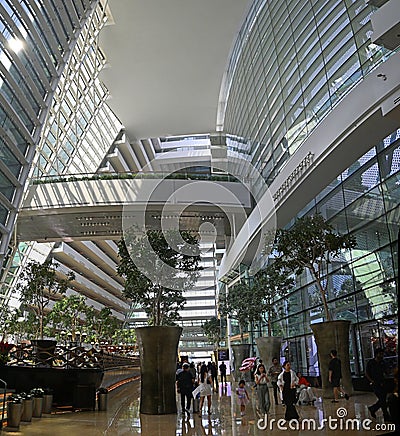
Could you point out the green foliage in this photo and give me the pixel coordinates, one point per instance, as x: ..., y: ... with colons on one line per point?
x: 160, y: 303
x: 8, y: 321
x: 37, y: 285
x: 270, y: 283
x: 27, y: 326
x: 311, y: 244
x: 68, y: 313
x: 124, y: 336
x: 212, y: 329
x: 100, y: 325
x: 242, y: 303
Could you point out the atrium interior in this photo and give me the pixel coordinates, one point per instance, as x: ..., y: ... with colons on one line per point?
x: 227, y: 120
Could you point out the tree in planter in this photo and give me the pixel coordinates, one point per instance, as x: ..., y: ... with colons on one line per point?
x: 269, y: 283
x: 38, y: 284
x: 311, y: 244
x: 125, y: 336
x: 69, y: 313
x: 212, y: 329
x: 8, y: 319
x: 100, y: 325
x: 162, y: 266
x: 243, y: 303
x: 160, y: 303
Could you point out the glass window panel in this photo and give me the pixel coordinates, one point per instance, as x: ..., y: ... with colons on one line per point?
x: 389, y: 161
x: 391, y: 192
x: 6, y: 187
x: 9, y: 159
x: 3, y: 215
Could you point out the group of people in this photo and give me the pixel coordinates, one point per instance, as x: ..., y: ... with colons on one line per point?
x: 289, y: 387
x: 292, y: 388
x: 192, y: 383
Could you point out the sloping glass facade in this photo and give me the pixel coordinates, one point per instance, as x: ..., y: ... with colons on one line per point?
x: 294, y: 61
x: 36, y: 40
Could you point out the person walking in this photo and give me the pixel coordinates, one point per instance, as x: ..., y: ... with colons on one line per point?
x: 184, y: 383
x: 261, y: 380
x: 287, y: 381
x: 243, y: 397
x: 222, y: 372
x: 214, y: 374
x: 375, y: 374
x: 273, y: 373
x: 335, y: 376
x: 205, y: 389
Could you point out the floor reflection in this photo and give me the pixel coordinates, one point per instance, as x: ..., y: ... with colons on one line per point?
x: 123, y: 418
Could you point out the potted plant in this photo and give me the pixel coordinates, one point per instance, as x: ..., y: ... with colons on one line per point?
x: 47, y: 400
x: 246, y: 305
x: 312, y: 244
x: 102, y: 325
x: 270, y: 283
x: 37, y: 394
x: 27, y: 406
x: 14, y: 410
x: 102, y: 395
x: 37, y: 285
x: 156, y: 273
x: 69, y: 314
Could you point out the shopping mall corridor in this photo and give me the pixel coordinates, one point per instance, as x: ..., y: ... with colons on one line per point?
x: 123, y: 418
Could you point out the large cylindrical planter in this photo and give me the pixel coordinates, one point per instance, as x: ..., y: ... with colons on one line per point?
x: 27, y: 410
x: 14, y: 412
x: 333, y: 335
x: 240, y: 352
x: 158, y: 347
x: 268, y: 348
x: 37, y: 407
x: 47, y: 403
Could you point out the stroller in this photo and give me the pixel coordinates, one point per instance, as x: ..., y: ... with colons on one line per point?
x: 305, y: 395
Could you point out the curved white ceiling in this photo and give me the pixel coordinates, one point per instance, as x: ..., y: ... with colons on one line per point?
x: 166, y: 62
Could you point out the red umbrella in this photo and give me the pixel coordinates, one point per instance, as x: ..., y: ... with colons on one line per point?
x: 247, y: 364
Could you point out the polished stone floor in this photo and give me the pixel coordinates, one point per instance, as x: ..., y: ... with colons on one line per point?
x: 123, y: 418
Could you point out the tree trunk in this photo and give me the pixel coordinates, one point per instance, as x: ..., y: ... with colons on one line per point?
x: 323, y: 296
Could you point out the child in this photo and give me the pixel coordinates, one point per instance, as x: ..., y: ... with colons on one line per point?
x: 243, y: 396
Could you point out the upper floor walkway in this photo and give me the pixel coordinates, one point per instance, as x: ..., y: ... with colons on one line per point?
x: 94, y: 206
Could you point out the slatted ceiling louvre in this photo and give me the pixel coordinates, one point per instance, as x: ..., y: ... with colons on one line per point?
x: 15, y: 58
x: 63, y: 17
x: 22, y: 99
x: 47, y: 32
x: 38, y: 40
x: 62, y: 35
x: 17, y: 120
x: 11, y: 146
x: 79, y: 7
